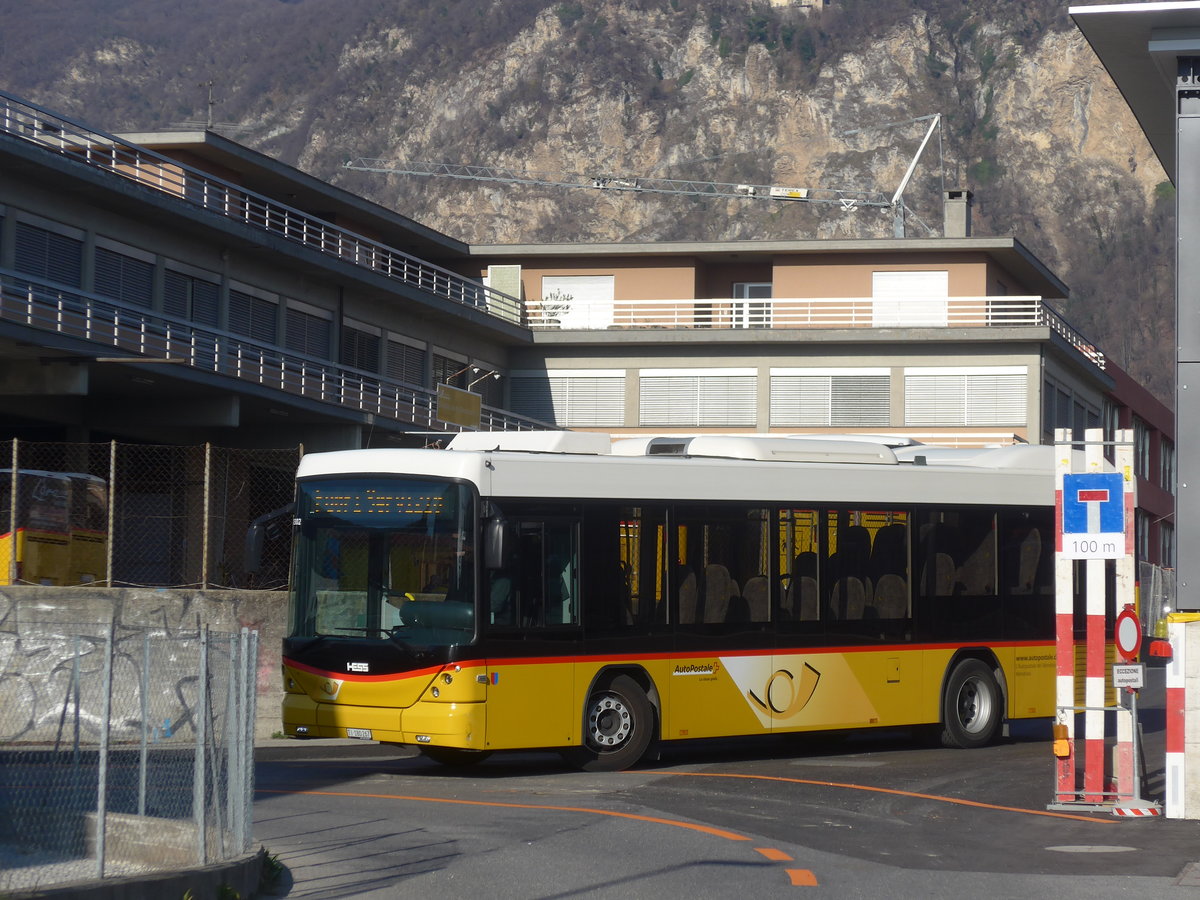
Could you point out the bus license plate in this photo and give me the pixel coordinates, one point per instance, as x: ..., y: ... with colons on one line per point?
x: 360, y: 734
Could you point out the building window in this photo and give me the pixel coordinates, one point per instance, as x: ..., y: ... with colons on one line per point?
x: 49, y: 255
x: 360, y: 347
x: 578, y: 398
x: 831, y: 397
x: 1141, y: 448
x: 910, y: 299
x: 307, y: 331
x: 450, y: 371
x: 1142, y: 534
x: 191, y: 298
x: 124, y: 278
x: 751, y: 305
x: 252, y: 316
x: 405, y: 362
x: 698, y: 397
x: 1166, y: 463
x: 969, y: 396
x: 577, y: 301
x: 1166, y: 545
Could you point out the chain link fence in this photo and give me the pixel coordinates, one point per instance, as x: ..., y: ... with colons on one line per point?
x: 145, y: 515
x: 144, y: 761
x: 1156, y: 587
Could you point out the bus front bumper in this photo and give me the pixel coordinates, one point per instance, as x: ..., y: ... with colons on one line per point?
x: 426, y: 723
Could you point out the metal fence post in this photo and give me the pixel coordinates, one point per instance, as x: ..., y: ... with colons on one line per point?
x: 145, y: 723
x: 204, y: 517
x: 250, y: 711
x: 233, y: 735
x: 15, y: 498
x: 112, y: 509
x: 102, y: 777
x: 199, y: 717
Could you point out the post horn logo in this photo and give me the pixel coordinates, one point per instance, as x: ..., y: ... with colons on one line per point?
x: 799, y: 692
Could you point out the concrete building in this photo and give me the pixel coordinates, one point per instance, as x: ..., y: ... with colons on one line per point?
x: 178, y: 287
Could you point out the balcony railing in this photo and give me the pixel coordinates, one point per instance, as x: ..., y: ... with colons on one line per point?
x: 571, y: 314
x: 104, y: 151
x: 109, y: 324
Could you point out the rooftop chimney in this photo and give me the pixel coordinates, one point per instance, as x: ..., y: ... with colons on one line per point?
x: 957, y: 214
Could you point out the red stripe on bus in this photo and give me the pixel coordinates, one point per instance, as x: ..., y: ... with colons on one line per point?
x: 502, y: 662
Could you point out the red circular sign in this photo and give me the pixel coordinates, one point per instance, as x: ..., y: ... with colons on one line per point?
x: 1128, y: 634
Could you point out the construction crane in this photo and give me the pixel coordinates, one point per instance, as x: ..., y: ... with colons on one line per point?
x: 848, y: 200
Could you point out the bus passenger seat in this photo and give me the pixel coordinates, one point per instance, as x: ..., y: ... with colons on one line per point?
x: 757, y: 596
x: 719, y: 589
x: 891, y: 597
x: 810, y: 599
x: 853, y: 593
x: 685, y: 578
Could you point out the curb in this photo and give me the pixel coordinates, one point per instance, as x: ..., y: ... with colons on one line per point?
x: 212, y: 882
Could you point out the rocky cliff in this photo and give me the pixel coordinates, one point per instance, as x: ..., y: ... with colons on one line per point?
x: 800, y: 94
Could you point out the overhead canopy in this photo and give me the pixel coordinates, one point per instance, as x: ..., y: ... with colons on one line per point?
x: 1138, y: 44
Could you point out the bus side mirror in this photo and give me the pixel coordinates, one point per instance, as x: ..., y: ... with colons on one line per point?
x: 253, y: 553
x: 495, y: 543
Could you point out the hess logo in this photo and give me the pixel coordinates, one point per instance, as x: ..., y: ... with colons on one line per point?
x: 361, y: 668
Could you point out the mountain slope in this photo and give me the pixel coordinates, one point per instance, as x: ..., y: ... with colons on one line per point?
x: 727, y: 90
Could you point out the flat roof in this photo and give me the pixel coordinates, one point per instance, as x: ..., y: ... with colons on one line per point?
x: 1008, y: 252
x: 1137, y: 43
x: 287, y: 184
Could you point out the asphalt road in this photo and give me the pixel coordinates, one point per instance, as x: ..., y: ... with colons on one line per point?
x: 869, y: 815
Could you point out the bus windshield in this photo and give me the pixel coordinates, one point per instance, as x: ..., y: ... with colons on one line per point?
x: 384, y: 558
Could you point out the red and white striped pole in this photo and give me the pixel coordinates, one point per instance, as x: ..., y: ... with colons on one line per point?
x: 1093, y: 720
x: 1176, y: 808
x: 1064, y: 637
x: 1125, y: 766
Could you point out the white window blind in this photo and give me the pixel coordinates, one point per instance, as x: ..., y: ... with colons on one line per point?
x: 852, y: 398
x: 995, y: 395
x: 696, y: 397
x: 570, y: 398
x: 909, y: 299
x: 578, y: 301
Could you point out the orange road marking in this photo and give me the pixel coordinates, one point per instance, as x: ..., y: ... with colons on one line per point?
x: 704, y: 829
x: 802, y: 877
x: 919, y: 796
x: 774, y: 855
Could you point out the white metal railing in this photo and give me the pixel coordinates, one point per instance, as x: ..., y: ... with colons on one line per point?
x: 95, y: 148
x: 820, y: 312
x: 108, y: 323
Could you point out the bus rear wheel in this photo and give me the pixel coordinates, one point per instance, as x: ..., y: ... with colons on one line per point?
x: 971, y: 707
x: 618, y: 722
x: 453, y: 756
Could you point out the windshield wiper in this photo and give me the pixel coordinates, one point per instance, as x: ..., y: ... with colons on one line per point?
x: 352, y: 628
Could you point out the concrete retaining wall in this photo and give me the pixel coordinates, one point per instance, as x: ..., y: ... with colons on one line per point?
x: 37, y: 645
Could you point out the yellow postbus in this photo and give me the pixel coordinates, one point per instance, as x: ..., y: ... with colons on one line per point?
x: 61, y: 528
x: 564, y: 591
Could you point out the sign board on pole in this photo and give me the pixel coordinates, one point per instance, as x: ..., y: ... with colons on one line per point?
x: 458, y: 407
x: 1127, y: 633
x: 1129, y: 676
x: 1093, y: 516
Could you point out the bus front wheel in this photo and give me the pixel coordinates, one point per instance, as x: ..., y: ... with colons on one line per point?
x: 618, y: 720
x: 971, y: 707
